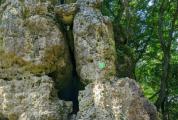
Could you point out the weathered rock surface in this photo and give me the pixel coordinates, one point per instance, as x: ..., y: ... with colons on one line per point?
x: 29, y: 31
x: 105, y: 97
x: 33, y: 47
x: 66, y: 12
x: 31, y: 98
x: 120, y: 99
x: 93, y: 42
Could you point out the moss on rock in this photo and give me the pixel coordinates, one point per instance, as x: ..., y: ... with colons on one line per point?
x: 53, y: 61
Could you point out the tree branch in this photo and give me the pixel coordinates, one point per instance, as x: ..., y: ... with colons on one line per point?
x: 175, y: 15
x: 154, y: 95
x: 160, y: 26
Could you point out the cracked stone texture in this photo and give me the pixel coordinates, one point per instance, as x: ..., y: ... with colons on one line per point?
x: 30, y: 35
x: 28, y: 30
x: 30, y: 39
x: 120, y: 99
x: 105, y: 97
x: 94, y: 44
x: 31, y: 98
x: 66, y: 12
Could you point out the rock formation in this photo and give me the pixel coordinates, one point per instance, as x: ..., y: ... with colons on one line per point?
x: 39, y: 57
x: 94, y: 44
x: 31, y: 98
x: 120, y: 99
x: 105, y: 97
x: 32, y: 49
x: 30, y: 32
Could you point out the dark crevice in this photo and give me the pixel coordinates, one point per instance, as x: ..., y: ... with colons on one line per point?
x: 62, y: 1
x: 70, y: 91
x: 75, y: 78
x: 2, y: 117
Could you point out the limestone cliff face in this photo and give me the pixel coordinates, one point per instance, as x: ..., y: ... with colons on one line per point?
x: 35, y: 64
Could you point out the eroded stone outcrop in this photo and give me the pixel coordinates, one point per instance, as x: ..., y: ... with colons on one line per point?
x: 105, y: 97
x: 32, y: 48
x: 29, y: 31
x: 120, y: 99
x: 35, y: 64
x: 31, y: 98
x: 94, y: 43
x: 66, y: 12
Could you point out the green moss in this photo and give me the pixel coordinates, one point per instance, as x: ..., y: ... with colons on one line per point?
x: 35, y: 69
x: 1, y: 43
x: 25, y: 12
x: 41, y: 9
x: 13, y: 116
x: 2, y: 1
x: 10, y: 59
x: 69, y: 1
x: 54, y: 63
x: 21, y: 1
x: 2, y: 117
x: 52, y: 60
x: 54, y: 2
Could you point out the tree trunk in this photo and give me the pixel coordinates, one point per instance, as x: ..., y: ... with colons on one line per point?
x: 160, y: 103
x: 162, y: 99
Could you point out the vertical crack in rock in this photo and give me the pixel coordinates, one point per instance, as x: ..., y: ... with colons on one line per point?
x: 70, y: 91
x: 33, y: 47
x: 65, y: 14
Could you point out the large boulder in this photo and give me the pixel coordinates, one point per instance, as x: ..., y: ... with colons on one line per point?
x: 120, y: 99
x: 28, y: 30
x: 31, y: 98
x: 94, y: 44
x: 32, y: 48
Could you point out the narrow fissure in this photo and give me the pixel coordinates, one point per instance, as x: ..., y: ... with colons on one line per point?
x: 70, y: 92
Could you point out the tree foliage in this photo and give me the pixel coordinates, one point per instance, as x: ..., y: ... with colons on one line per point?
x: 146, y: 35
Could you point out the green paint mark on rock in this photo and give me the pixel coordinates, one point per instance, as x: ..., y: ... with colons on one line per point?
x: 101, y: 65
